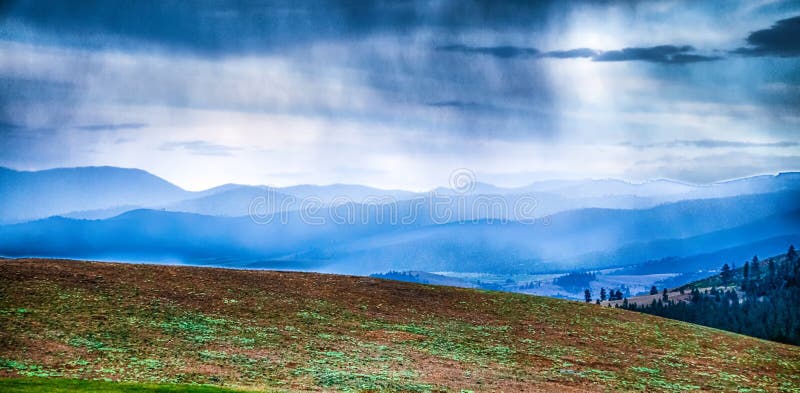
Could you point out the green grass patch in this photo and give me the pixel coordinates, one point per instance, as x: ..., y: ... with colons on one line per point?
x: 46, y: 385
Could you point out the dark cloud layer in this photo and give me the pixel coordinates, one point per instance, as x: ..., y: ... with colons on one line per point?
x: 221, y: 27
x: 503, y: 52
x: 665, y: 54
x: 782, y: 39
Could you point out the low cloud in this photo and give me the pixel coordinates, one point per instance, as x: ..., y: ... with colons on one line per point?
x: 572, y: 53
x: 111, y: 127
x: 202, y: 148
x: 716, y: 167
x: 664, y: 54
x: 782, y: 39
x: 464, y: 105
x: 711, y: 144
x: 667, y: 54
x: 503, y: 52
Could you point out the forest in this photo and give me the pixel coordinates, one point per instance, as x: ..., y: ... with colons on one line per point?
x: 760, y: 299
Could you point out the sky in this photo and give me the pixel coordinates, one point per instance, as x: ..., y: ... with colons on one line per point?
x: 398, y: 94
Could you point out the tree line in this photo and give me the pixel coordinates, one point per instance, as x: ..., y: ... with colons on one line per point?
x: 760, y: 299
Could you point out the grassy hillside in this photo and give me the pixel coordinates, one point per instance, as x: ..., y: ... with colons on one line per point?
x: 310, y: 332
x: 60, y: 385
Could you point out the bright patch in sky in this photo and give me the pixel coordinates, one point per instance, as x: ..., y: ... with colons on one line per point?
x: 400, y: 96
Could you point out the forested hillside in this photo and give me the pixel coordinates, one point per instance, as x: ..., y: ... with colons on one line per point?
x: 761, y: 299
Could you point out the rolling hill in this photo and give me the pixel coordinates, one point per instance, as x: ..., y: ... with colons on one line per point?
x: 309, y: 332
x: 585, y: 238
x: 708, y: 248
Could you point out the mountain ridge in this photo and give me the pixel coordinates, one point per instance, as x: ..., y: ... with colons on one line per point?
x: 376, y: 245
x: 89, y: 191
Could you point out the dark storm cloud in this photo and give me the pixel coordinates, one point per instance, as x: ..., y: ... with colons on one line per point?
x: 230, y: 27
x: 782, y: 39
x: 667, y: 54
x: 503, y: 52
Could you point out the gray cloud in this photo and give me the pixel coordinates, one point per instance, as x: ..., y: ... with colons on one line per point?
x: 782, y: 39
x: 45, y: 100
x: 21, y: 146
x: 716, y: 167
x: 711, y: 144
x: 230, y: 27
x: 198, y: 147
x: 665, y: 54
x: 503, y: 52
x: 571, y: 54
x: 111, y: 127
x: 464, y: 105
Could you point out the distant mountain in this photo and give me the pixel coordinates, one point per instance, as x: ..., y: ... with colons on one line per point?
x: 712, y: 260
x: 192, y: 238
x: 102, y: 192
x: 237, y: 201
x: 782, y: 223
x: 663, y: 189
x: 585, y: 238
x: 375, y: 244
x: 99, y: 214
x: 610, y: 187
x: 31, y: 195
x: 343, y: 193
x: 749, y: 185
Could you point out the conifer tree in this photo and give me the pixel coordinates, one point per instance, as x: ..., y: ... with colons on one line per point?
x: 769, y: 310
x: 755, y: 269
x: 745, y: 275
x: 726, y: 274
